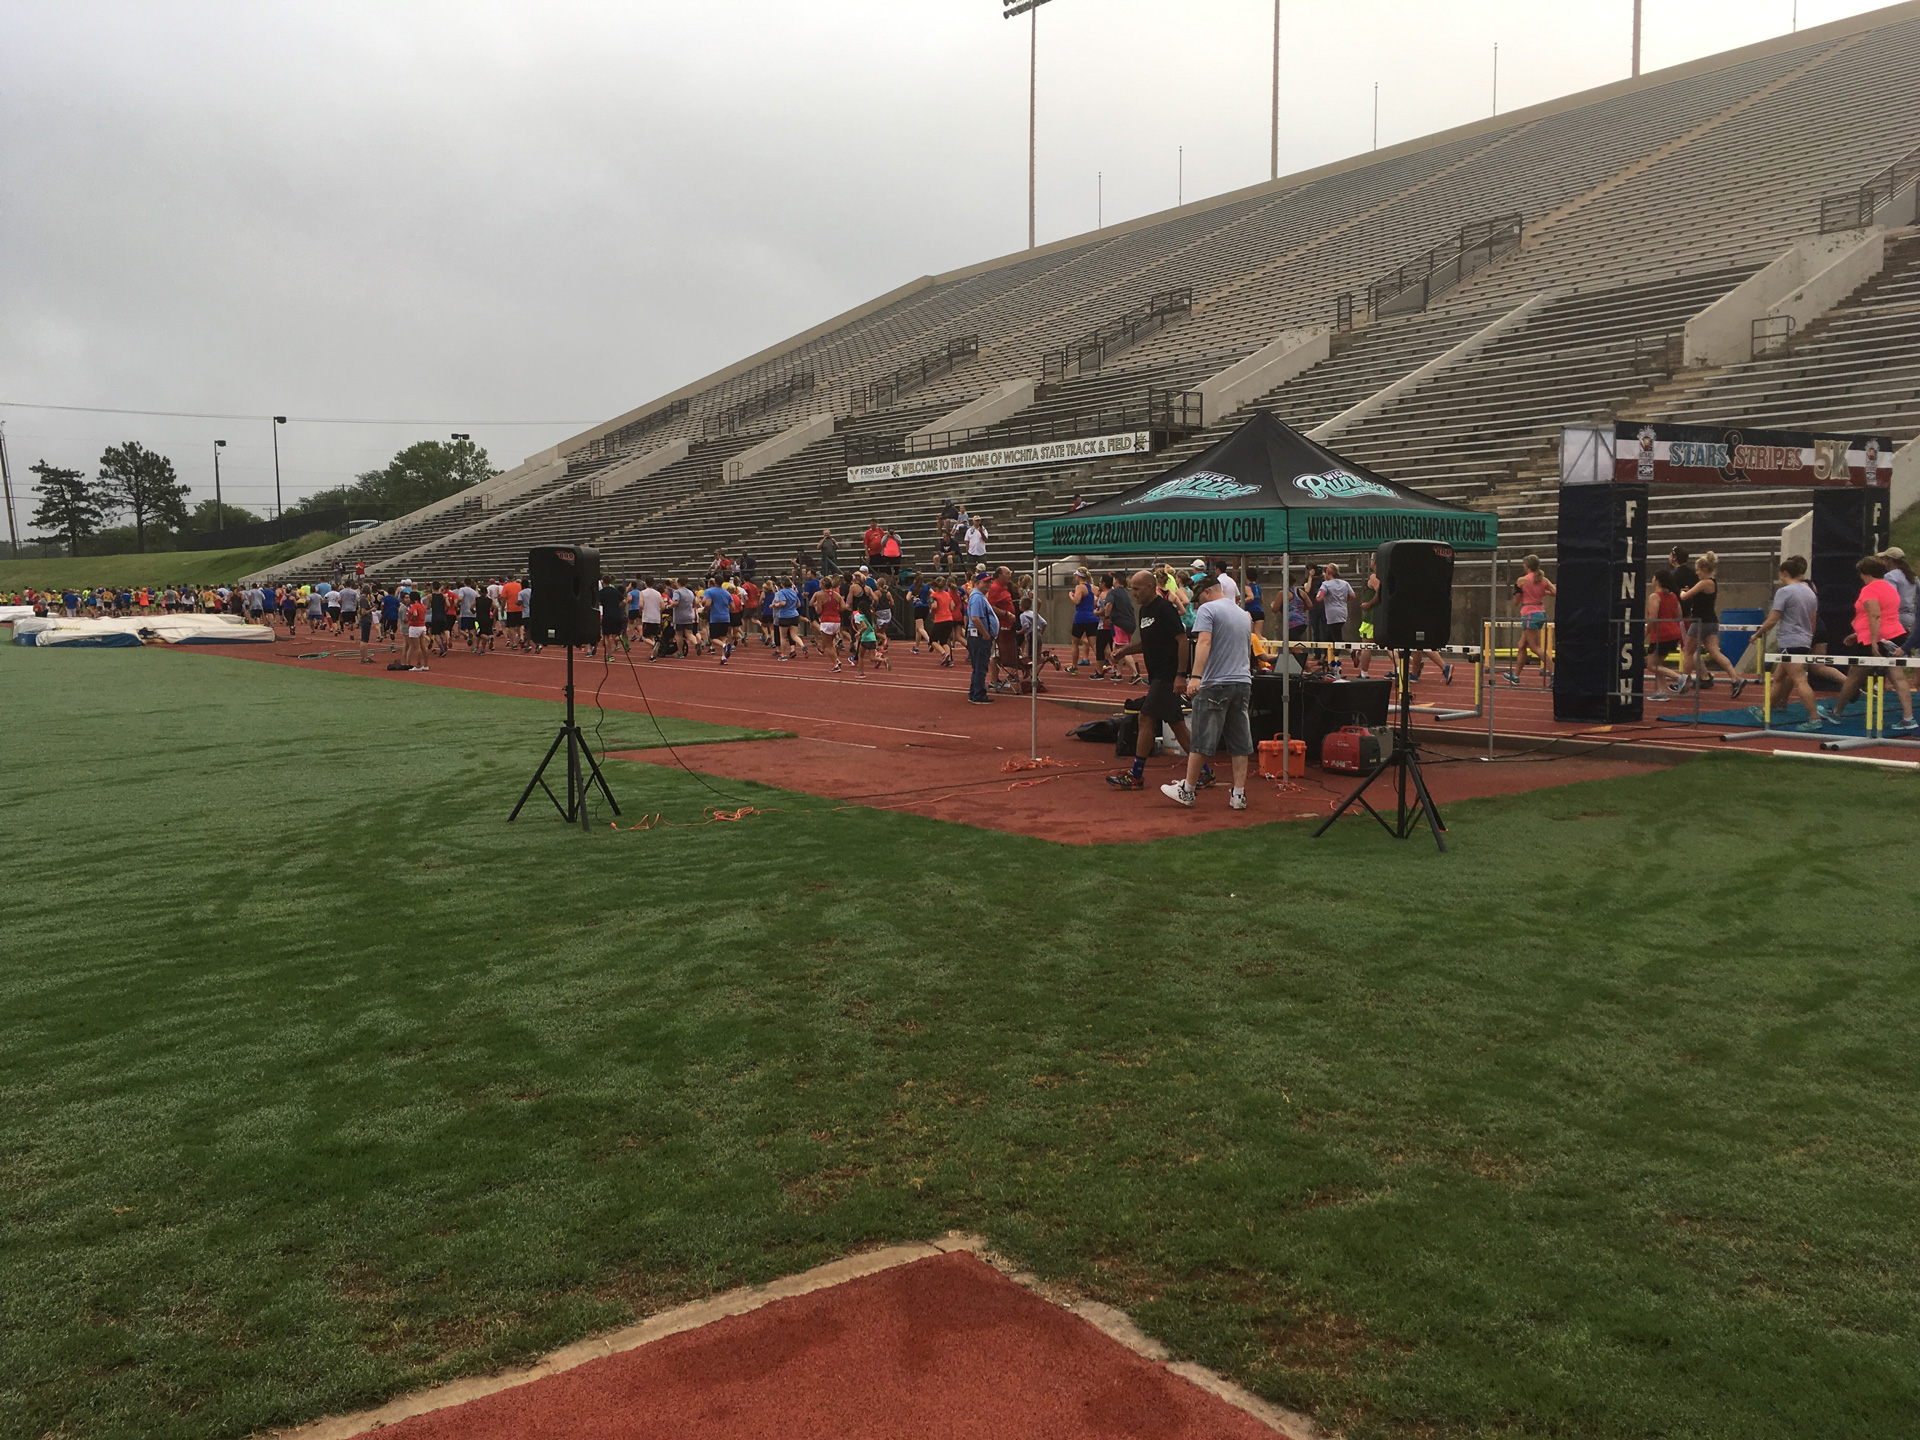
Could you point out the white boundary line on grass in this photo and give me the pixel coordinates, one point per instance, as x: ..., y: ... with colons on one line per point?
x: 1113, y: 1323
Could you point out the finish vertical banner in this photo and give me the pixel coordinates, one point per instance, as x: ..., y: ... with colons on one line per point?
x: 1598, y: 649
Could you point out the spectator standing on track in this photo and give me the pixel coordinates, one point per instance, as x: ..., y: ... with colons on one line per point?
x: 829, y: 553
x: 1335, y: 594
x: 1162, y: 642
x: 415, y: 654
x: 1222, y: 692
x: 1120, y: 612
x: 363, y: 615
x: 983, y: 629
x: 1876, y: 631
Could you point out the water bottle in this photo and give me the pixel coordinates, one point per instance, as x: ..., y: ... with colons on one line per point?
x: 1336, y: 667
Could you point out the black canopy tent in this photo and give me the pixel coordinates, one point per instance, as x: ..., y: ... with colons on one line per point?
x: 1264, y: 490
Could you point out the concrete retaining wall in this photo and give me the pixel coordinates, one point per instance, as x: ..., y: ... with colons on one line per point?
x: 1009, y: 397
x: 1267, y: 367
x: 1413, y: 379
x: 771, y: 452
x: 1809, y: 279
x: 618, y: 477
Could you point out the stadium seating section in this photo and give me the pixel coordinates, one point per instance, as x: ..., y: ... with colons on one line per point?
x: 1641, y: 205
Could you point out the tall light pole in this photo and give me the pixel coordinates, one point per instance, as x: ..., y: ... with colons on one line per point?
x: 1496, y: 77
x: 278, y: 421
x: 1376, y: 114
x: 6, y: 482
x: 219, y: 509
x: 1636, y: 38
x: 1031, y: 9
x: 1274, y: 169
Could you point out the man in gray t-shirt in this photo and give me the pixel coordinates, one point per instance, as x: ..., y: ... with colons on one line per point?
x: 1222, y: 691
x: 1792, y: 616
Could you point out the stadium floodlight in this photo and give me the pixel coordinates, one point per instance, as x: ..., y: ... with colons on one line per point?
x: 457, y: 435
x: 278, y: 421
x: 219, y: 509
x: 1009, y: 9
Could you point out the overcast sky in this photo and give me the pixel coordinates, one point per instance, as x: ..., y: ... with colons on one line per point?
x: 471, y: 213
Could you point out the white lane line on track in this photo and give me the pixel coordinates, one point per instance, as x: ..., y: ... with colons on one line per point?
x: 735, y: 711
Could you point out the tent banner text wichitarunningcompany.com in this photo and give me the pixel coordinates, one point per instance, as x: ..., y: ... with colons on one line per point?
x: 1039, y: 452
x: 1365, y: 529
x: 1141, y: 534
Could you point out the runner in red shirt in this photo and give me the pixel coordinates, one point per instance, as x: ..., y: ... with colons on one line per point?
x: 416, y: 651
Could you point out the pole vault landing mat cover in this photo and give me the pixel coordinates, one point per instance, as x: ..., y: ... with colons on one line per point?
x: 942, y: 1348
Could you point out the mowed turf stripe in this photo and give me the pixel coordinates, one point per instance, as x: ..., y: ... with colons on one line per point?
x: 322, y: 1084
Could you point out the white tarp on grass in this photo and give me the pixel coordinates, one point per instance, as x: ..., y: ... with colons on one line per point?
x: 138, y: 629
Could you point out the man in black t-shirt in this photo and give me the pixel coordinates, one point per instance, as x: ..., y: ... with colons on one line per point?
x: 1162, y: 641
x: 613, y: 616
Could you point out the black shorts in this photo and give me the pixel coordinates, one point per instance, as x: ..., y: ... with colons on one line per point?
x: 1160, y: 702
x: 718, y: 628
x: 513, y: 619
x: 466, y: 622
x: 1855, y: 646
x: 366, y: 626
x: 1084, y: 628
x: 486, y: 625
x: 650, y: 629
x: 941, y: 631
x: 612, y: 625
x: 920, y: 612
x: 440, y: 626
x: 684, y: 627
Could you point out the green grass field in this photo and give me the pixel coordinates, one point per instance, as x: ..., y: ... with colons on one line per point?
x: 161, y: 567
x: 321, y: 1083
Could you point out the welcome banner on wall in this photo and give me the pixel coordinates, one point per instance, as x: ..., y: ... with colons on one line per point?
x: 1043, y: 452
x: 1647, y: 454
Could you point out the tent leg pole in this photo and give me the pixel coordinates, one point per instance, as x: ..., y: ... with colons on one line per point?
x: 1286, y: 664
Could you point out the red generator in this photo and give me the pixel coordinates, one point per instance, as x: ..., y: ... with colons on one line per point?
x: 1352, y: 750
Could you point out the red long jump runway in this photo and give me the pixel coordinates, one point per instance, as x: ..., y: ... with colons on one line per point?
x: 944, y: 1348
x: 906, y: 739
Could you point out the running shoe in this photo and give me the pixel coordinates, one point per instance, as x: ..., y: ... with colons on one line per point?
x: 1177, y: 791
x: 1679, y: 687
x: 1739, y: 685
x: 1811, y: 726
x: 1903, y: 726
x: 1755, y: 714
x: 836, y: 668
x: 1127, y: 780
x: 1446, y: 674
x: 1824, y: 713
x: 1511, y: 677
x: 1206, y: 778
x: 1236, y: 799
x: 983, y: 700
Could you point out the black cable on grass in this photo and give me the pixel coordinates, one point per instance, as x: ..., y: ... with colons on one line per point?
x: 661, y: 729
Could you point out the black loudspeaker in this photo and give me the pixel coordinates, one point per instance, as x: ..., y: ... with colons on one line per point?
x: 566, y: 595
x: 1598, y: 645
x: 1415, y: 609
x: 1847, y: 524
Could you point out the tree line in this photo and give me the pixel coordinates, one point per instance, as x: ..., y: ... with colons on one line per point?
x: 140, y: 485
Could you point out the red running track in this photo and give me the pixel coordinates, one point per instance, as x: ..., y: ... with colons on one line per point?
x: 907, y: 739
x: 939, y: 1349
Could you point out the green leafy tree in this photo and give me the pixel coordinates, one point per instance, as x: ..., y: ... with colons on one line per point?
x: 210, y: 515
x: 69, y: 508
x: 418, y: 475
x: 141, y: 482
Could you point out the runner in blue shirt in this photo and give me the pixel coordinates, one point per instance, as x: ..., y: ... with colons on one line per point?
x: 719, y: 607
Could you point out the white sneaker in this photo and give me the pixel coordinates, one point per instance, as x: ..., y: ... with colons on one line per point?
x: 1177, y: 791
x: 1236, y: 800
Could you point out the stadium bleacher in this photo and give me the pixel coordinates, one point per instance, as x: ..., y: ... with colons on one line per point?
x: 1641, y: 204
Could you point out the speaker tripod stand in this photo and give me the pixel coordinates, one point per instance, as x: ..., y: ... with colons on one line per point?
x: 580, y: 779
x: 1405, y: 764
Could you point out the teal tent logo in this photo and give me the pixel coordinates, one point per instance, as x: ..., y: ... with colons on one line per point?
x: 1202, y: 485
x: 1339, y: 485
